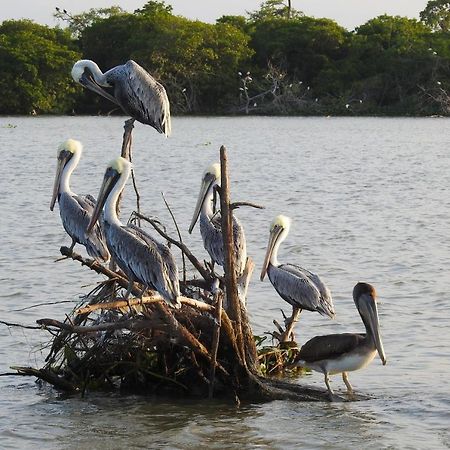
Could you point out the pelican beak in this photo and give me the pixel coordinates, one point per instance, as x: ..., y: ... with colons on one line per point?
x: 109, y: 181
x: 207, y: 182
x: 369, y: 311
x: 88, y: 82
x: 63, y: 159
x: 275, y: 234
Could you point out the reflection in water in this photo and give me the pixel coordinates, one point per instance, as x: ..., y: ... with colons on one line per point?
x: 370, y: 195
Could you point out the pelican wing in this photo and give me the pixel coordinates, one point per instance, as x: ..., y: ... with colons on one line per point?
x: 75, y: 214
x: 141, y: 96
x: 296, y: 286
x: 88, y: 198
x: 148, y: 261
x: 329, y: 346
x: 211, y: 230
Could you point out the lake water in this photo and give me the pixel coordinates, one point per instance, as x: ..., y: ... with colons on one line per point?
x: 369, y: 201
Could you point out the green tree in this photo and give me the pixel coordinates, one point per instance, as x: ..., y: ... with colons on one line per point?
x: 302, y: 47
x: 437, y: 15
x: 35, y: 63
x: 78, y: 22
x: 275, y: 9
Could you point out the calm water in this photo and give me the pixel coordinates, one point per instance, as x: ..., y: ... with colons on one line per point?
x: 369, y: 199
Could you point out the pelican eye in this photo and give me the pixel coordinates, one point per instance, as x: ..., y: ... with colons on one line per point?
x: 65, y: 155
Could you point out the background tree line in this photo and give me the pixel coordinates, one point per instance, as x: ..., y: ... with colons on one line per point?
x: 275, y: 60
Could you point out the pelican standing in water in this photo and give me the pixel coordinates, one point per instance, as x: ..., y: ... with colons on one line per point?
x: 299, y: 287
x: 210, y: 223
x: 76, y: 211
x: 134, y: 90
x: 141, y: 258
x: 342, y: 353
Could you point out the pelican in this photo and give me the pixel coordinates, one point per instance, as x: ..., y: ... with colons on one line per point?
x: 299, y: 287
x: 342, y: 353
x: 140, y: 257
x: 134, y: 90
x: 76, y: 211
x: 210, y: 223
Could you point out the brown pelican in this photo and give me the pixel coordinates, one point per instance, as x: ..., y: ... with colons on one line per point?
x: 342, y: 353
x: 140, y: 257
x: 134, y: 90
x: 210, y: 223
x: 299, y: 287
x: 76, y: 211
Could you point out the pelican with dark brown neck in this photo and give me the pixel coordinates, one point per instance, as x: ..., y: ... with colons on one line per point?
x: 342, y: 353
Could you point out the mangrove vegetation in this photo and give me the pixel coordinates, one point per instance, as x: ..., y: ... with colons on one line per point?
x: 274, y: 60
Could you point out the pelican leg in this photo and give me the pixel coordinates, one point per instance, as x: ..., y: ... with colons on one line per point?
x: 347, y: 383
x: 327, y: 382
x: 127, y: 294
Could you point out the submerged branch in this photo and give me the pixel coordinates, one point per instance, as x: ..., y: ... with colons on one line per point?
x: 29, y: 327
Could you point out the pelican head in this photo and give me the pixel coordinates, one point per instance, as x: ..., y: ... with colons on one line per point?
x: 88, y: 74
x: 69, y: 150
x: 211, y: 177
x: 279, y: 229
x: 117, y: 170
x: 365, y: 298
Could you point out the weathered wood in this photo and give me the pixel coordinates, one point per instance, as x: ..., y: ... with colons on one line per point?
x: 47, y: 375
x: 119, y: 304
x: 186, y: 338
x: 130, y: 324
x: 233, y: 306
x: 288, y: 334
x: 215, y: 341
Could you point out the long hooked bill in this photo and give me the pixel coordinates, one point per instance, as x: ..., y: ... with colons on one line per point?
x: 110, y: 179
x: 273, y: 238
x: 368, y: 308
x: 62, y: 161
x: 204, y: 188
x: 89, y: 82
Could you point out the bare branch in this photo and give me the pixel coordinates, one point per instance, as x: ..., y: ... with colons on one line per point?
x: 179, y: 235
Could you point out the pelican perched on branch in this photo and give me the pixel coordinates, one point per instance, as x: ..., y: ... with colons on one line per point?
x: 342, y: 353
x: 210, y: 223
x: 141, y: 258
x: 299, y: 287
x: 134, y: 90
x: 76, y: 211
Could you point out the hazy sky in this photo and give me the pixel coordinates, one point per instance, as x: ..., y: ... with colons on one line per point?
x: 348, y: 13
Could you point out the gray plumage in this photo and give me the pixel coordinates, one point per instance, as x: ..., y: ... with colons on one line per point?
x: 141, y: 258
x: 211, y: 232
x: 134, y: 90
x: 301, y: 288
x: 76, y: 212
x: 144, y: 260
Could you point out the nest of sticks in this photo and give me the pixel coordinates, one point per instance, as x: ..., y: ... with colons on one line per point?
x: 142, y: 345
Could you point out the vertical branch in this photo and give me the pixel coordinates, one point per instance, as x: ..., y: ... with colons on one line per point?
x: 215, y: 340
x: 234, y: 308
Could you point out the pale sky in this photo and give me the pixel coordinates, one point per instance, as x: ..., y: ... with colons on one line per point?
x: 348, y: 13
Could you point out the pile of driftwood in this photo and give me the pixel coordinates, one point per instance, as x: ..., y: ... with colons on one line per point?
x: 206, y: 348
